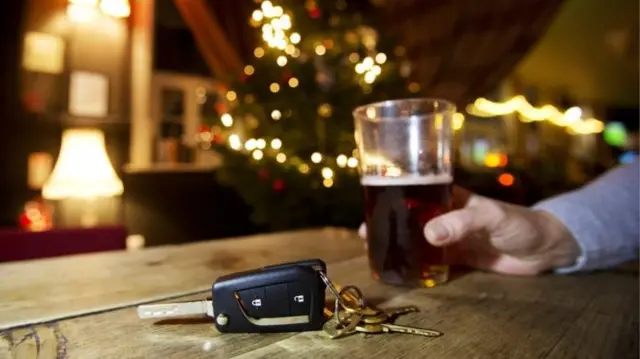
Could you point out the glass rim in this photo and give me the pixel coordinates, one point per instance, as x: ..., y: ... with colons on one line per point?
x: 360, y: 111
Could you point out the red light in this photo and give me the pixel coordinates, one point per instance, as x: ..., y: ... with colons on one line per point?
x: 506, y: 179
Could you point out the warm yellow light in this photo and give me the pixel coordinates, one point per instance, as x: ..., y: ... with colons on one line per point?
x: 266, y: 5
x: 231, y: 95
x: 457, y: 121
x: 325, y: 110
x: 116, y: 8
x: 495, y: 160
x: 83, y: 169
x: 381, y: 58
x: 281, y: 61
x: 276, y: 143
x: 360, y: 69
x: 295, y: 38
x: 84, y: 2
x: 303, y: 168
x: 367, y: 62
x: 327, y: 182
x: 81, y: 13
x: 257, y: 15
x: 249, y: 70
x: 571, y: 118
x: 327, y: 172
x: 226, y: 120
x: 258, y: 52
x: 274, y: 87
x: 281, y: 157
x: 251, y: 144
x: 341, y: 160
x: 290, y: 49
x: 354, y: 57
x: 285, y: 22
x: 234, y: 142
x: 316, y: 157
x: 276, y: 115
x: 293, y: 82
x: 261, y: 144
x: 352, y: 162
x: 321, y: 50
x: 369, y: 77
x: 414, y: 87
x: 377, y: 70
x: 257, y: 155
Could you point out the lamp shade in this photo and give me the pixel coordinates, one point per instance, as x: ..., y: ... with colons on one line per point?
x: 83, y: 169
x: 116, y: 8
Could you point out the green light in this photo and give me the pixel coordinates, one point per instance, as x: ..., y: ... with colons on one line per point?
x: 615, y: 134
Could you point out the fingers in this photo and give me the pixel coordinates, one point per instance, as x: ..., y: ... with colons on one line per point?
x: 480, y: 214
x: 362, y: 231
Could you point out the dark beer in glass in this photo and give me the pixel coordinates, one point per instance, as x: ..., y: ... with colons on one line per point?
x: 406, y: 174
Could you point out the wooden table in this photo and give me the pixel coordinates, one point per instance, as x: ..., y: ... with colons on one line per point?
x: 84, y: 307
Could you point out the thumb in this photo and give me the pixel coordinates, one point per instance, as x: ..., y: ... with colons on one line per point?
x: 454, y: 226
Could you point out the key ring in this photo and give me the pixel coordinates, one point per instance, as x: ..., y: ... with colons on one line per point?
x: 340, y: 302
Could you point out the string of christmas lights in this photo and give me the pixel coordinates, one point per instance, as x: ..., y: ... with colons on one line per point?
x: 571, y: 118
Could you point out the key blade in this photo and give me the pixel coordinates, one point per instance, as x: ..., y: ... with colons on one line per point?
x: 395, y: 328
x: 170, y: 310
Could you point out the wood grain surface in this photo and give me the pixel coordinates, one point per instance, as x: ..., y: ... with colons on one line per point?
x: 481, y: 315
x: 44, y: 290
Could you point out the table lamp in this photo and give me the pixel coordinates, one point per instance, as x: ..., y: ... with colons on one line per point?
x: 83, y: 171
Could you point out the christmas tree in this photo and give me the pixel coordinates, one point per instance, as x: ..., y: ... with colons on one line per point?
x: 285, y: 130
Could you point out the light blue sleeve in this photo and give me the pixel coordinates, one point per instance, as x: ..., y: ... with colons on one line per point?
x: 603, y: 216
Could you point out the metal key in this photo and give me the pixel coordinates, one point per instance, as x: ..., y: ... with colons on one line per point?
x: 343, y: 325
x: 394, y: 328
x: 170, y: 310
x: 376, y: 316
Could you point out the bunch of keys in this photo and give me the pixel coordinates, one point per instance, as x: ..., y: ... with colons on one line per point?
x: 349, y: 318
x: 288, y: 297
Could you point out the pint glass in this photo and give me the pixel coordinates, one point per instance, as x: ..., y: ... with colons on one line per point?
x: 406, y: 173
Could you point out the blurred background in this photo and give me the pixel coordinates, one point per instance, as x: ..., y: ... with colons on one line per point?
x: 130, y: 123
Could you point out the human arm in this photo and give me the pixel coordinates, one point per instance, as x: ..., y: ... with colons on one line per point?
x: 603, y: 217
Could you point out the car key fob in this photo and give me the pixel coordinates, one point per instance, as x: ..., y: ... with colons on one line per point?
x: 287, y: 297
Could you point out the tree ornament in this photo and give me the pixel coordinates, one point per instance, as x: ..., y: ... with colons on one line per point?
x: 278, y: 185
x: 221, y: 108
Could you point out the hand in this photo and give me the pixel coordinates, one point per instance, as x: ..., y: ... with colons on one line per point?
x: 500, y: 237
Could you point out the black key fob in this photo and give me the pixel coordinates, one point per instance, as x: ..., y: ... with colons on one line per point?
x: 286, y: 297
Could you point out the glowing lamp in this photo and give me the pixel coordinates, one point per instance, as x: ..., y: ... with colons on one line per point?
x: 116, y: 8
x: 82, y: 11
x: 84, y: 2
x: 83, y: 169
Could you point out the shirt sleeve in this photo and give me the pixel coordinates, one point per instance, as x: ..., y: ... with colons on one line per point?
x: 604, y: 218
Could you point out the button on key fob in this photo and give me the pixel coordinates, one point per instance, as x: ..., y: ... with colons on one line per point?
x: 288, y: 297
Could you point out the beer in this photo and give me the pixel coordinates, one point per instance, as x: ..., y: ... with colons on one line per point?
x: 406, y: 170
x: 396, y: 210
